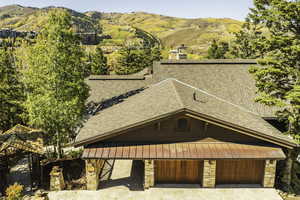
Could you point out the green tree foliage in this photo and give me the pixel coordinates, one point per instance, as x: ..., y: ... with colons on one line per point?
x: 11, y: 91
x: 130, y: 61
x: 99, y: 63
x: 218, y: 50
x: 155, y: 55
x: 148, y: 40
x: 278, y: 78
x: 247, y: 43
x: 54, y: 79
x: 134, y: 59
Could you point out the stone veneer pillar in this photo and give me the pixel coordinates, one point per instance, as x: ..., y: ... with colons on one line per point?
x: 149, y: 174
x: 93, y: 168
x: 209, y: 174
x: 57, y: 182
x: 270, y: 173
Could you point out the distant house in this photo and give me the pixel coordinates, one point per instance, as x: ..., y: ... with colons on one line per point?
x: 188, y: 121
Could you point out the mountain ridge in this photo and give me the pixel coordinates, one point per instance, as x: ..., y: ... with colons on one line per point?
x: 196, y: 33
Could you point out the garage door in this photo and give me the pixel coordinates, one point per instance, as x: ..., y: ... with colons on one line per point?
x: 178, y: 171
x: 240, y: 171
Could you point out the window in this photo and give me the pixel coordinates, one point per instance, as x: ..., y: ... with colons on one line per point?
x: 183, y: 125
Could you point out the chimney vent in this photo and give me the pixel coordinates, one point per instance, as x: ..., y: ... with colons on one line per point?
x: 194, y: 96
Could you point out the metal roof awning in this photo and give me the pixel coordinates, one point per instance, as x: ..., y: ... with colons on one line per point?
x: 183, y: 151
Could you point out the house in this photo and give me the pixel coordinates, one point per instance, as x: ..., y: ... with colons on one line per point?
x: 192, y: 122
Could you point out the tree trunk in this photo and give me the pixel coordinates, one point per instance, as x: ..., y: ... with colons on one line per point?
x: 58, y: 146
x: 287, y: 170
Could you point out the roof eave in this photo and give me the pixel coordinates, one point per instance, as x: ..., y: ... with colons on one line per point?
x: 190, y: 113
x: 244, y: 130
x: 126, y: 128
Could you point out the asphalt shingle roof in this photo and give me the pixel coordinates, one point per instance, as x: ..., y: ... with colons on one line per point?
x: 167, y: 97
x: 104, y: 88
x: 227, y: 79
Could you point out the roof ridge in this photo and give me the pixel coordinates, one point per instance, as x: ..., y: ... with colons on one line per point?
x: 210, y: 61
x: 207, y: 93
x: 177, y: 95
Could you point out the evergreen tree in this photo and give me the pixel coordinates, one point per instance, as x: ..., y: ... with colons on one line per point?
x: 133, y: 59
x: 247, y: 42
x: 218, y: 50
x: 99, y: 63
x: 11, y: 91
x: 54, y: 79
x: 278, y: 78
x: 155, y: 54
x: 127, y: 61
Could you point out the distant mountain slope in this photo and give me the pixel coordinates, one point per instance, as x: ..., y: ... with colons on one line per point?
x: 32, y: 19
x: 120, y: 27
x: 195, y: 33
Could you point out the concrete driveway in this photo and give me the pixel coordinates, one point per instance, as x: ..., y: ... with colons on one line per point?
x: 168, y: 194
x: 126, y: 184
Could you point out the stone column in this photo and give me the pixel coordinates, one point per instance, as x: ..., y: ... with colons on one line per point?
x: 57, y: 182
x: 270, y: 173
x: 209, y: 173
x: 149, y: 174
x: 93, y: 168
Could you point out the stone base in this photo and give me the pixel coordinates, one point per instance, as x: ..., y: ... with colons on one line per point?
x: 270, y: 173
x: 57, y: 182
x: 93, y: 169
x: 209, y: 174
x: 149, y: 174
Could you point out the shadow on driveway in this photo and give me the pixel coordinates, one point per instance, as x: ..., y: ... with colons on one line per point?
x: 126, y: 173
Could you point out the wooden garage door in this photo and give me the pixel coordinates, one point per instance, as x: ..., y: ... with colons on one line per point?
x: 178, y: 171
x: 240, y: 171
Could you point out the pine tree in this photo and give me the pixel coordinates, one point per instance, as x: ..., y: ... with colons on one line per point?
x: 99, y: 63
x: 11, y: 91
x: 133, y: 59
x: 54, y: 79
x: 278, y: 77
x: 155, y: 54
x: 247, y: 42
x: 218, y: 50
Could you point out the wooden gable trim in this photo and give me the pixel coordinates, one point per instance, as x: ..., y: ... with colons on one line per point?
x: 191, y: 114
x: 245, y: 132
x: 129, y: 128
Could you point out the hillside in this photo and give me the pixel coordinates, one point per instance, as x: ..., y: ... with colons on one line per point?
x: 195, y: 33
x: 32, y: 19
x: 120, y: 27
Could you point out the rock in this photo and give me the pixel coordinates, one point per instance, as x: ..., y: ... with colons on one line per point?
x: 26, y: 197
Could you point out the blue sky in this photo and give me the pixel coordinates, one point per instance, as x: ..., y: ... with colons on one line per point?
x: 236, y: 9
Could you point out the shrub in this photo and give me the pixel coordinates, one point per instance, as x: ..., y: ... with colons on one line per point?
x: 75, y: 153
x: 14, y: 192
